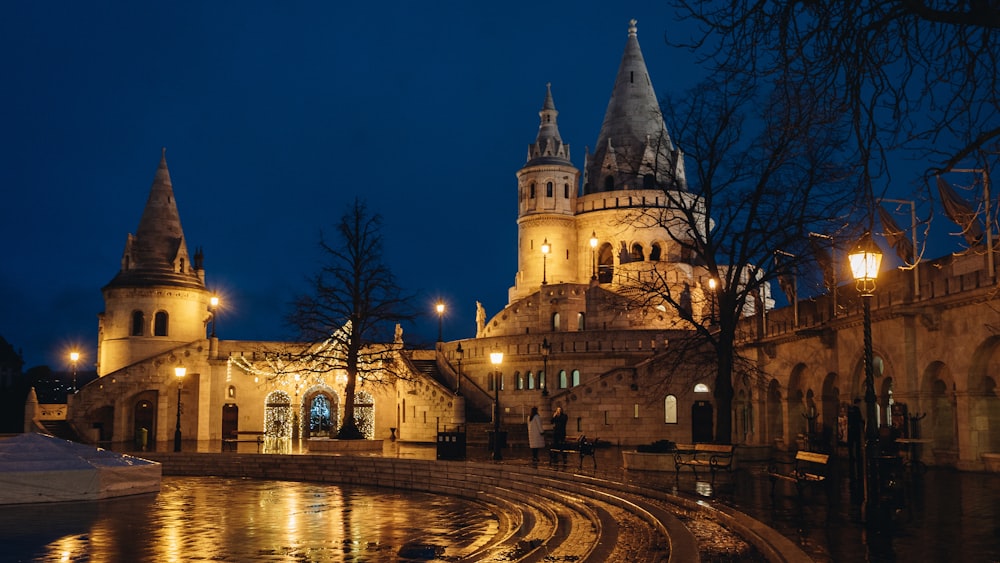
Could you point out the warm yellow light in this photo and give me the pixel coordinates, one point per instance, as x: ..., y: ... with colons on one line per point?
x: 496, y: 358
x: 214, y: 301
x: 74, y: 356
x: 545, y: 246
x: 593, y: 239
x: 865, y: 261
x: 711, y: 283
x: 440, y: 307
x: 180, y: 372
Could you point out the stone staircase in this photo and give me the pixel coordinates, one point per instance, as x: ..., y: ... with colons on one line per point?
x: 61, y: 429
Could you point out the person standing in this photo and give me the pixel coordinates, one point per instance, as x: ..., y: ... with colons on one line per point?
x: 559, y: 420
x: 536, y: 439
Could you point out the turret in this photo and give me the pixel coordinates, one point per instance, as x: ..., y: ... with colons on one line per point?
x: 547, y: 191
x: 158, y: 299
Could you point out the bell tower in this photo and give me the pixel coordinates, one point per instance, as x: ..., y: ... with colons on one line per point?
x: 547, y: 191
x: 158, y: 299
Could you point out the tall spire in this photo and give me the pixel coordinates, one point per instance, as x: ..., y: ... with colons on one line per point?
x: 157, y: 253
x: 633, y: 149
x: 548, y: 146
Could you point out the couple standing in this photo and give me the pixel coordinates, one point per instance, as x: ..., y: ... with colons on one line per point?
x: 536, y: 439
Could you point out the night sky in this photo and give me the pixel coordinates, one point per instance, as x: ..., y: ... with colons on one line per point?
x: 275, y: 116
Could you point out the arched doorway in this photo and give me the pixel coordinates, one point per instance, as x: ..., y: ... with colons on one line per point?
x: 324, y: 415
x: 144, y: 424
x: 230, y: 421
x: 277, y: 422
x: 701, y: 422
x: 364, y: 414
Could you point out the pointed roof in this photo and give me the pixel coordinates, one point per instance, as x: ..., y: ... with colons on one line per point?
x: 157, y: 253
x: 633, y: 131
x: 548, y: 147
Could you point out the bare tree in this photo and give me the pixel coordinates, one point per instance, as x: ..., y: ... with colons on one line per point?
x: 762, y: 174
x: 912, y: 76
x: 354, y: 302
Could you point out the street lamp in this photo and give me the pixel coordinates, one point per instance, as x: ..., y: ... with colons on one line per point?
x: 440, y: 312
x: 546, y: 350
x: 74, y: 357
x: 865, y: 260
x: 711, y: 287
x: 496, y: 358
x: 179, y: 372
x: 593, y: 259
x: 213, y: 305
x: 545, y: 254
x: 459, y: 354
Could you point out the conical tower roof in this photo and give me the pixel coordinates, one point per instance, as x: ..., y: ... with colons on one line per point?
x: 548, y: 147
x: 633, y: 142
x: 157, y: 253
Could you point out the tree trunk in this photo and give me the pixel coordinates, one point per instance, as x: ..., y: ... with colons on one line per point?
x: 349, y: 428
x: 724, y: 391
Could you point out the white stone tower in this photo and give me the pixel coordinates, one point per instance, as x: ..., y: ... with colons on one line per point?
x: 158, y: 300
x: 547, y: 188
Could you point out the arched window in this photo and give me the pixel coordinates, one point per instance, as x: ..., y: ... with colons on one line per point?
x: 231, y: 392
x: 581, y: 321
x: 532, y: 190
x: 637, y: 254
x: 563, y: 382
x: 138, y: 322
x: 575, y: 377
x: 670, y: 410
x: 160, y: 324
x: 566, y: 191
x: 548, y: 189
x: 655, y: 252
x: 609, y: 183
x: 491, y: 381
x: 518, y: 380
x: 701, y: 388
x: 555, y: 321
x: 541, y: 379
x: 531, y: 380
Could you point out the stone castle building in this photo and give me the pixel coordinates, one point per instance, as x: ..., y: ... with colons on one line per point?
x: 567, y: 338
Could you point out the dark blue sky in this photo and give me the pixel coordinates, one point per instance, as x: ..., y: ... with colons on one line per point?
x: 275, y: 116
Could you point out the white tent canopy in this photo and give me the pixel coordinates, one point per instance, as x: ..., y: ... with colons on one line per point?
x: 42, y: 468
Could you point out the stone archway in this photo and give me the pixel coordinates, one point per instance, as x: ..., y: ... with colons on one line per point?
x: 796, y: 398
x: 144, y: 424
x: 833, y: 414
x: 277, y: 422
x: 983, y: 432
x: 322, y: 411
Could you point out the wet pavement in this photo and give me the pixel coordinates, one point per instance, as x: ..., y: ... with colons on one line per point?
x: 937, y: 515
x: 221, y: 519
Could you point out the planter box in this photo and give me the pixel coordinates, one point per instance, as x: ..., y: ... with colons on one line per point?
x: 330, y: 445
x: 642, y: 461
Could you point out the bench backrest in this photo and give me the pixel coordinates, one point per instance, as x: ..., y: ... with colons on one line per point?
x: 812, y: 457
x: 714, y: 448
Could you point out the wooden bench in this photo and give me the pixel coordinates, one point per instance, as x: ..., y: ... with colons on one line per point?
x: 714, y: 457
x: 581, y: 446
x: 806, y: 468
x: 231, y: 444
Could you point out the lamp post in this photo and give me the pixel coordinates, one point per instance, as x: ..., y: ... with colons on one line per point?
x: 213, y: 305
x: 459, y: 354
x: 545, y: 254
x: 74, y: 357
x: 865, y: 260
x: 440, y: 311
x: 496, y: 358
x: 295, y: 412
x: 546, y: 350
x: 711, y: 287
x: 593, y: 259
x: 179, y: 372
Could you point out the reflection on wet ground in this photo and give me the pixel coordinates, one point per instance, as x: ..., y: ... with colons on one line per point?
x: 217, y: 519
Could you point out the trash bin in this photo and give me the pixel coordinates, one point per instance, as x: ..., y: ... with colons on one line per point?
x: 451, y: 445
x: 141, y: 439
